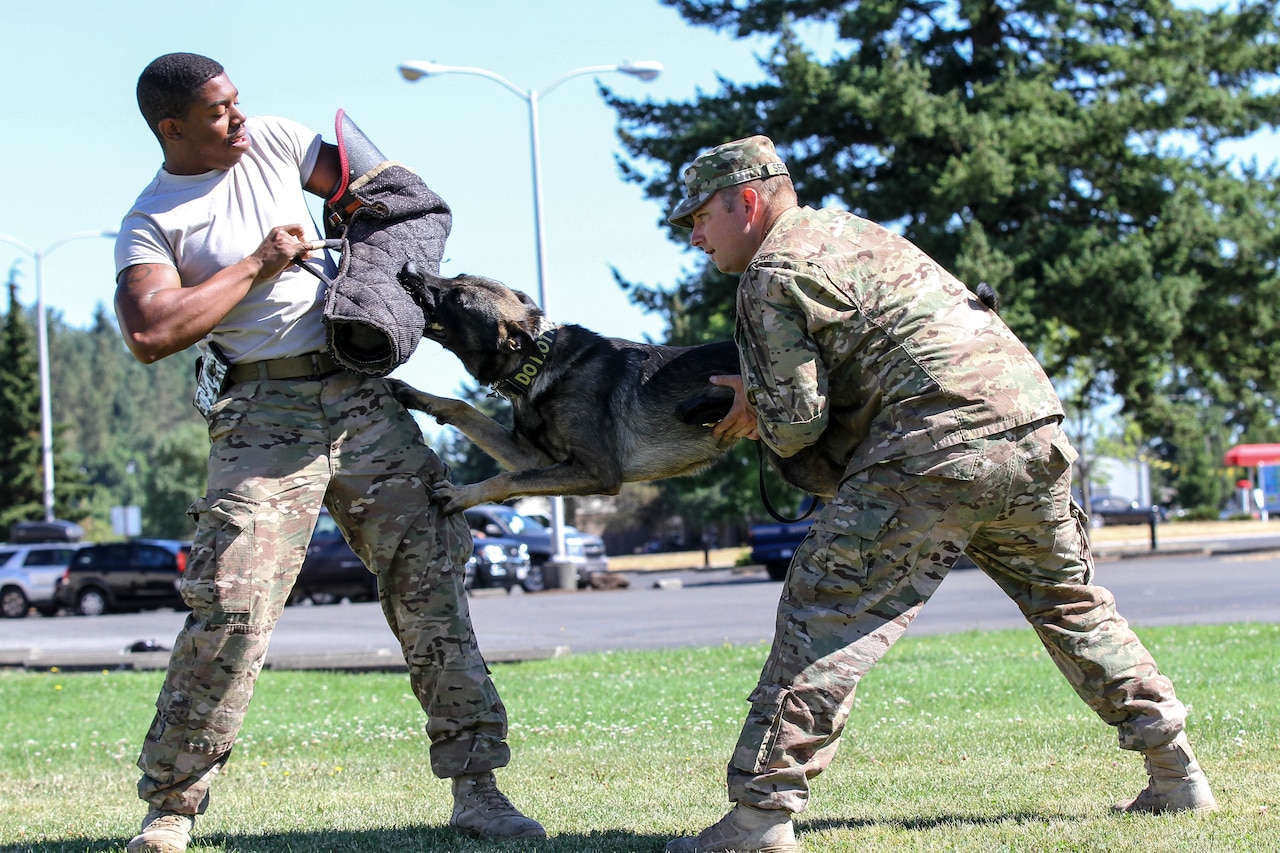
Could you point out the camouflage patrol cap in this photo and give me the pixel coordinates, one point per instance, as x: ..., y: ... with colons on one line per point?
x: 724, y: 166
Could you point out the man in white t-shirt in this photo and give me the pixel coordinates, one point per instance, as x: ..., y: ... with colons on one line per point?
x: 210, y: 256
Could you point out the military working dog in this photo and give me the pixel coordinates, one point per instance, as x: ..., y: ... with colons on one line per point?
x: 589, y: 412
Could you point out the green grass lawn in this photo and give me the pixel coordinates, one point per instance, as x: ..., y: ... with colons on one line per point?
x: 968, y: 742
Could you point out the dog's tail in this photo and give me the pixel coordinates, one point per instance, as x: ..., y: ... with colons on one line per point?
x: 988, y: 297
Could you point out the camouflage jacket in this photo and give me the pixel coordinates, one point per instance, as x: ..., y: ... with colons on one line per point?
x: 839, y: 315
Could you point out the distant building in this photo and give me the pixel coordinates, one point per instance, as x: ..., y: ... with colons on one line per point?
x: 1125, y: 478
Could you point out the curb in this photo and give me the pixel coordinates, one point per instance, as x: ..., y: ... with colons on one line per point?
x: 390, y: 660
x: 1173, y: 550
x: 372, y: 660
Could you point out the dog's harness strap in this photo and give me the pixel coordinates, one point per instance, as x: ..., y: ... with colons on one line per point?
x: 530, y: 366
x: 308, y: 368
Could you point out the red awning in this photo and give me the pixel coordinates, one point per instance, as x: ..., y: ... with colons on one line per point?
x: 1249, y: 455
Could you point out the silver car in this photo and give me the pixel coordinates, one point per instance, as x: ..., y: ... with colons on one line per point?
x: 29, y: 573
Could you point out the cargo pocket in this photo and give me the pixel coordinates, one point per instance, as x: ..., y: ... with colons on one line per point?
x: 955, y: 463
x: 220, y: 581
x: 457, y: 541
x: 1062, y: 445
x: 837, y: 554
x: 1082, y: 537
x: 783, y: 731
x: 762, y: 729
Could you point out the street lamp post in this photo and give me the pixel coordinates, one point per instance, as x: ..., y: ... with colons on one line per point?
x: 645, y: 70
x: 42, y: 346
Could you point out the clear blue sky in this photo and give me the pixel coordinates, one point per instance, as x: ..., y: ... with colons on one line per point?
x: 76, y: 152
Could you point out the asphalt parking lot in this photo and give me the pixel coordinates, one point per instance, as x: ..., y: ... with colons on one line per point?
x: 1189, y: 584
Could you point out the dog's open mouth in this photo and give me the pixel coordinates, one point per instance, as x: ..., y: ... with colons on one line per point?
x: 434, y: 331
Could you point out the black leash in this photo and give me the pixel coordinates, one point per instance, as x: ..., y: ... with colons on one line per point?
x: 328, y: 244
x: 764, y: 494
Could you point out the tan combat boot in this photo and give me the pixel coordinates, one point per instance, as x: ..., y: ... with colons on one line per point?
x: 482, y: 811
x: 1177, y: 783
x: 163, y: 832
x: 743, y: 830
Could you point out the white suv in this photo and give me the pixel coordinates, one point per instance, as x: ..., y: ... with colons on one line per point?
x: 28, y: 575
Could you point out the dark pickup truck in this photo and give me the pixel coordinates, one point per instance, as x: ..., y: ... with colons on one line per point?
x: 772, y: 545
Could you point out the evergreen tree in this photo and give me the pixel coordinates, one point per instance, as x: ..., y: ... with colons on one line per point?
x: 126, y: 426
x: 468, y: 463
x: 21, y: 471
x: 1070, y: 154
x: 175, y: 477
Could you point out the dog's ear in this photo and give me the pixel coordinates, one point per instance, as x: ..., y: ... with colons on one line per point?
x: 515, y: 338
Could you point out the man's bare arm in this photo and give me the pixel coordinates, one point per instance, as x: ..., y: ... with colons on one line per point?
x: 326, y: 172
x: 159, y: 316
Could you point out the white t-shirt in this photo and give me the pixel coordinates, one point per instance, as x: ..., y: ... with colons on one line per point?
x: 200, y: 224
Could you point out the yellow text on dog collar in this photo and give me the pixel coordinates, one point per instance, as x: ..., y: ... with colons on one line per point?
x: 531, y: 365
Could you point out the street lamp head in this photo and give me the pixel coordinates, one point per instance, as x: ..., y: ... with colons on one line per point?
x: 416, y: 69
x: 645, y: 69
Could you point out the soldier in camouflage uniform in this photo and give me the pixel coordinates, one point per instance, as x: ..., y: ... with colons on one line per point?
x: 963, y: 452
x: 208, y: 255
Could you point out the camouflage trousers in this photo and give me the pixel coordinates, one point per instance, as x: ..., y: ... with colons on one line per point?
x: 279, y: 450
x: 879, y: 550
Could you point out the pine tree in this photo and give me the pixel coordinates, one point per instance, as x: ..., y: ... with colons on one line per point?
x: 130, y: 430
x: 467, y: 462
x: 175, y: 476
x: 21, y: 477
x: 1072, y: 155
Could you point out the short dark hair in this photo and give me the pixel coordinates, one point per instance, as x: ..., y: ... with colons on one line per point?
x: 169, y: 84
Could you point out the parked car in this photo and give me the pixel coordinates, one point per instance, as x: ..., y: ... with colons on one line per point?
x: 774, y: 544
x: 584, y: 550
x: 135, y: 575
x: 332, y: 571
x: 31, y: 532
x: 1110, y: 509
x: 500, y: 561
x: 29, y: 575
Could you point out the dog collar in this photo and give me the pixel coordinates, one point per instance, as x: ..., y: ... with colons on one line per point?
x: 530, y: 367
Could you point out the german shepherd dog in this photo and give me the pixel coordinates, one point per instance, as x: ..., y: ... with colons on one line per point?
x: 589, y: 412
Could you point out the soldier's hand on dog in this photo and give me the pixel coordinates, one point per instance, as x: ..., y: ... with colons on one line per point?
x: 740, y: 422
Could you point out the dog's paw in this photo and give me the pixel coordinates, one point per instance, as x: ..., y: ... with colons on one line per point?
x: 450, y: 498
x: 405, y: 394
x: 420, y: 401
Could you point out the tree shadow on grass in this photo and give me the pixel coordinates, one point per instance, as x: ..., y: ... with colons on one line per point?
x: 408, y: 840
